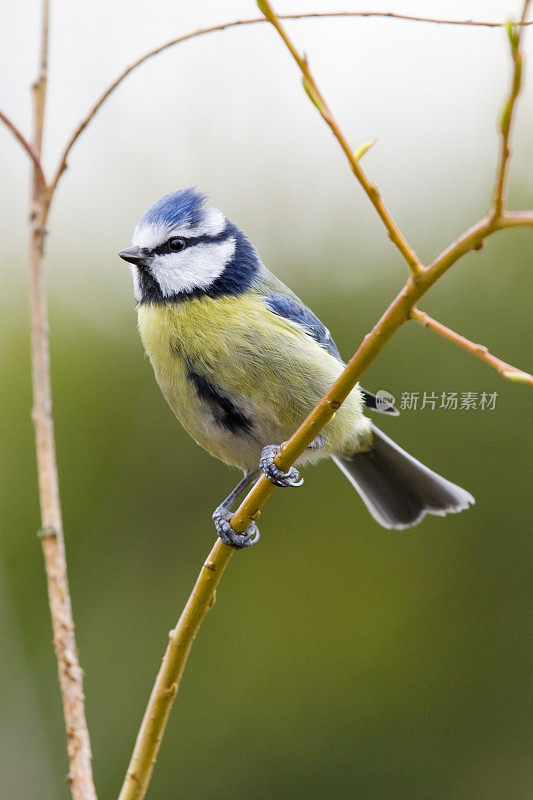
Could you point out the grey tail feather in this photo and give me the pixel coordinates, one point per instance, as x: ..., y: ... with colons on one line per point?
x: 396, y: 488
x: 378, y: 403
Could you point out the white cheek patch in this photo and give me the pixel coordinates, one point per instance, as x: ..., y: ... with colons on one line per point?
x: 196, y: 268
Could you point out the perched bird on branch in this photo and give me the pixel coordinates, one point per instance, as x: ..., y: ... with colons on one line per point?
x: 241, y: 361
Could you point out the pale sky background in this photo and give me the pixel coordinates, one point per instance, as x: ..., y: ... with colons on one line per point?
x: 227, y: 113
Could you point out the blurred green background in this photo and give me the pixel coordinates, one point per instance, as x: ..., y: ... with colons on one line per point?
x: 340, y: 659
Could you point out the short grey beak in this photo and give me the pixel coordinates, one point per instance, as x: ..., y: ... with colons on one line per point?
x: 134, y: 255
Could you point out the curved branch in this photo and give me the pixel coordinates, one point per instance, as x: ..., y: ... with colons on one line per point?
x: 234, y: 24
x: 202, y: 597
x: 479, y: 350
x: 19, y: 136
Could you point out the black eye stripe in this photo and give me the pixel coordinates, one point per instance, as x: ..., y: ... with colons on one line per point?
x: 165, y: 248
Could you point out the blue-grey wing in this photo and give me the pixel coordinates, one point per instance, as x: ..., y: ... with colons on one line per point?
x: 290, y: 308
x: 286, y: 304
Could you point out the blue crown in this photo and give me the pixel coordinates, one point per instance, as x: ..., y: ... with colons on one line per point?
x: 185, y: 206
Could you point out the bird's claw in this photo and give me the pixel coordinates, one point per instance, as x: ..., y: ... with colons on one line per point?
x: 221, y: 518
x: 273, y: 473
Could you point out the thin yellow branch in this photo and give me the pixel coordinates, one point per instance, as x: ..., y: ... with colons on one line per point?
x: 30, y: 150
x: 51, y: 533
x: 516, y: 219
x: 394, y: 317
x: 181, y: 638
x: 479, y: 350
x: 514, y: 33
x: 474, y: 237
x: 202, y: 597
x: 317, y: 98
x: 168, y: 679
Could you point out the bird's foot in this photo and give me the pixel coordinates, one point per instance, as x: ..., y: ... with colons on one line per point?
x: 273, y: 473
x: 221, y: 518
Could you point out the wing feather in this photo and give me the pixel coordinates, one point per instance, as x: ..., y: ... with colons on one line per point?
x: 281, y: 301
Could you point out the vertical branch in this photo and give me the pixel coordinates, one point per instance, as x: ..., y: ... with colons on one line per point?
x: 70, y: 673
x: 514, y: 33
x: 40, y: 85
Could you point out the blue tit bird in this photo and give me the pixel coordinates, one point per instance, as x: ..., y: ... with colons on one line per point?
x: 241, y: 361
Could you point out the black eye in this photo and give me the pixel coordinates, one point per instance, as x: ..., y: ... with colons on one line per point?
x: 177, y: 243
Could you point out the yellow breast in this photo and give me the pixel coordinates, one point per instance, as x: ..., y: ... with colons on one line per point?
x: 268, y: 365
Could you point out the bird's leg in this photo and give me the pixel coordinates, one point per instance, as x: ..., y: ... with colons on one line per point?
x: 249, y: 477
x: 223, y: 514
x: 317, y: 443
x: 273, y: 473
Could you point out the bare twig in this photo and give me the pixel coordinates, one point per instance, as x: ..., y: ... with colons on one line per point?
x: 17, y: 133
x: 479, y: 350
x: 370, y: 189
x: 63, y: 161
x: 405, y: 17
x: 514, y: 33
x: 51, y: 534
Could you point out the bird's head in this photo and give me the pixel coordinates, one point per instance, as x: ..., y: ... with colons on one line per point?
x: 181, y: 247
